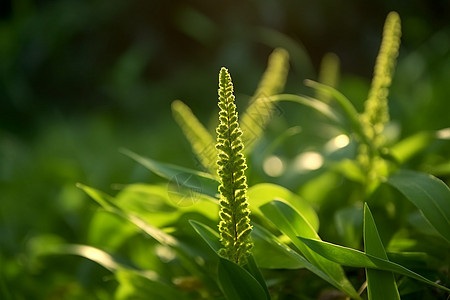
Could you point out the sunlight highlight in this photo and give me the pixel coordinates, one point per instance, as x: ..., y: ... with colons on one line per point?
x: 308, y: 161
x: 443, y: 134
x: 341, y: 141
x: 273, y: 166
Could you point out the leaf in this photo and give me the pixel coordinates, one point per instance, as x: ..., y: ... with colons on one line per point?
x: 253, y: 269
x: 212, y: 239
x: 412, y: 145
x: 263, y: 193
x: 429, y: 194
x: 185, y: 252
x: 106, y: 202
x: 350, y: 169
x: 160, y: 205
x: 380, y: 284
x: 348, y: 224
x: 237, y: 283
x: 272, y: 254
x: 293, y: 224
x: 310, y: 102
x: 354, y: 258
x: 132, y: 286
x: 346, y: 105
x: 208, y: 235
x: 207, y: 183
x: 49, y: 245
x: 231, y: 275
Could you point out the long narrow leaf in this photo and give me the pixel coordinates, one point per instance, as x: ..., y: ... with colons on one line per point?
x: 237, y: 283
x: 253, y: 269
x: 46, y: 245
x: 270, y: 253
x: 185, y: 253
x: 207, y: 183
x: 263, y: 193
x: 346, y: 105
x: 293, y: 224
x: 380, y: 284
x: 429, y: 194
x: 354, y: 258
x: 207, y: 234
x: 315, y: 104
x: 212, y: 239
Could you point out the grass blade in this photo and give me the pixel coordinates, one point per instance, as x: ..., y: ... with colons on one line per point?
x: 354, y: 258
x: 263, y: 193
x: 270, y: 253
x: 293, y: 224
x: 207, y: 234
x: 319, y: 106
x: 346, y: 105
x: 380, y: 284
x: 207, y: 183
x: 237, y: 283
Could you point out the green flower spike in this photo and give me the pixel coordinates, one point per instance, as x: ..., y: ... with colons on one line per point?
x: 376, y: 113
x: 234, y: 214
x: 202, y: 142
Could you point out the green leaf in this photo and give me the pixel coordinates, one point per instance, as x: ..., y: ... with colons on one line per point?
x: 263, y: 193
x: 160, y: 205
x: 185, y: 252
x: 380, y: 284
x: 272, y: 254
x: 132, y: 286
x: 412, y: 145
x: 208, y: 235
x: 106, y: 202
x: 50, y: 245
x: 429, y: 194
x: 350, y: 169
x: 291, y: 258
x: 346, y: 105
x: 310, y: 102
x: 207, y: 183
x: 253, y: 269
x: 237, y: 283
x: 348, y: 224
x: 231, y: 275
x: 293, y: 224
x: 354, y: 258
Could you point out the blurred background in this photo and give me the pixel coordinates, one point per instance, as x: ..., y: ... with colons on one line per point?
x: 80, y: 79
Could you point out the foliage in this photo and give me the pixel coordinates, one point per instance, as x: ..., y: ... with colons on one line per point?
x: 313, y: 233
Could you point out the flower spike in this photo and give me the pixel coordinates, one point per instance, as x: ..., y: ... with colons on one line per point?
x: 234, y: 226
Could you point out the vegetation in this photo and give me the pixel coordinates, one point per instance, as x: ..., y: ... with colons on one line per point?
x: 305, y: 196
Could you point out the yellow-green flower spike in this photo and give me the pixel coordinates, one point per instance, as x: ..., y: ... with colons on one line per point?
x: 234, y: 226
x: 328, y: 75
x: 260, y: 110
x: 202, y: 142
x: 376, y: 113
